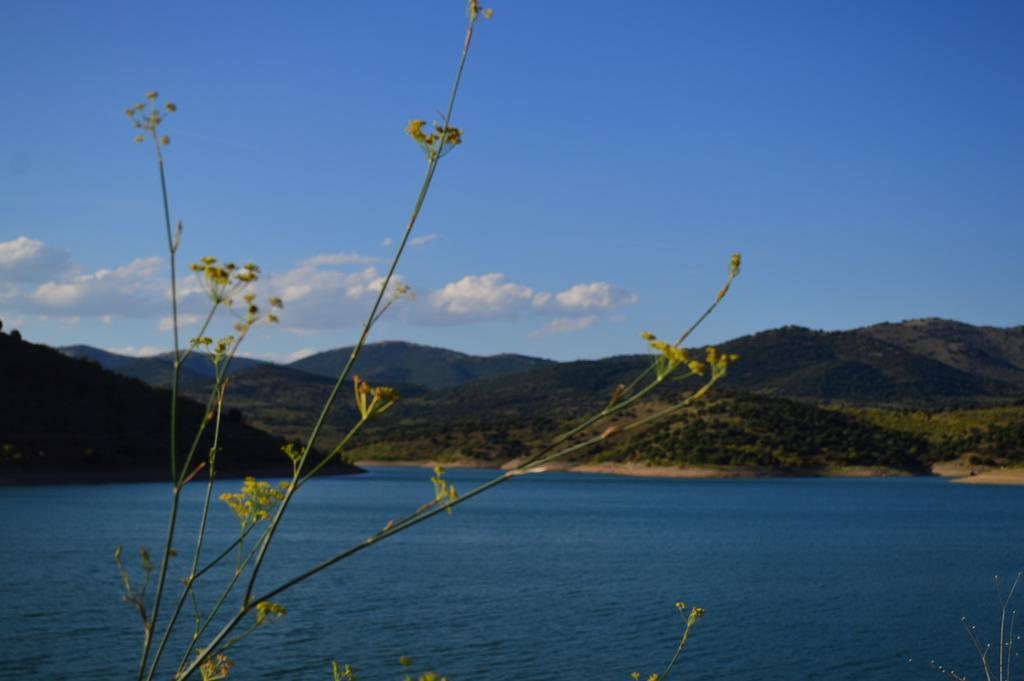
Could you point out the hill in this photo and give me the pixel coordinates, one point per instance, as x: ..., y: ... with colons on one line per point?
x: 990, y: 352
x: 772, y: 435
x: 64, y: 419
x: 396, y: 362
x: 286, y: 402
x: 921, y: 364
x: 856, y: 367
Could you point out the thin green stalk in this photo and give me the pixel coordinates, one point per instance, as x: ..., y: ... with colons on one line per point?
x: 343, y: 376
x: 216, y: 608
x: 337, y: 450
x: 148, y: 637
x: 682, y: 644
x: 172, y: 248
x: 201, y: 332
x: 199, y: 536
x: 219, y: 384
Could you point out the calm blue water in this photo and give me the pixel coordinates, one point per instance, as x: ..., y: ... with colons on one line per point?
x: 557, y: 576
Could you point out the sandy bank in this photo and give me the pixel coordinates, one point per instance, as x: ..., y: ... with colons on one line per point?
x: 961, y: 472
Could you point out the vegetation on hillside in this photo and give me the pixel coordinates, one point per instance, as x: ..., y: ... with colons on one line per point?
x: 986, y: 436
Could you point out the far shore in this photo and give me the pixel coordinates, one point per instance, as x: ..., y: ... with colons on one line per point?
x: 958, y: 472
x: 640, y: 470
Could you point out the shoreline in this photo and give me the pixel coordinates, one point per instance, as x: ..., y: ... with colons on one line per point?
x: 953, y: 472
x: 641, y: 470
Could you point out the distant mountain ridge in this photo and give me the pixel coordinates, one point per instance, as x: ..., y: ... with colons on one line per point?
x: 412, y: 364
x: 925, y: 363
x: 392, y: 362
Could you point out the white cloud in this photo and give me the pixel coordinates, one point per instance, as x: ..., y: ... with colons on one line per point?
x: 475, y: 298
x: 26, y: 260
x: 339, y: 259
x: 564, y: 325
x: 490, y: 296
x: 133, y: 351
x: 598, y: 295
x: 420, y: 240
x: 316, y: 298
x: 387, y: 242
x: 130, y: 290
x: 185, y: 320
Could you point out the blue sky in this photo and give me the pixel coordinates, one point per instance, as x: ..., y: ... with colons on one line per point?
x: 867, y: 158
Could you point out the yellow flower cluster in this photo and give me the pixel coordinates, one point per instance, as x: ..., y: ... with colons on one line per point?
x: 719, y: 361
x: 217, y: 667
x: 444, y: 491
x: 150, y: 120
x: 437, y: 143
x: 268, y: 612
x: 371, y: 401
x: 345, y: 673
x: 734, y: 270
x: 670, y: 357
x: 475, y: 11
x: 428, y: 676
x: 294, y: 454
x: 255, y: 501
x: 222, y: 280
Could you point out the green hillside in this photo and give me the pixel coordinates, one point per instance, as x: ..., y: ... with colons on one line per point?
x: 986, y: 436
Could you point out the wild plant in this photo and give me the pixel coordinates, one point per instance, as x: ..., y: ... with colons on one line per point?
x: 995, y: 665
x: 260, y: 506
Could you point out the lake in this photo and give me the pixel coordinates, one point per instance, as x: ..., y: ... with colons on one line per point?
x: 554, y: 576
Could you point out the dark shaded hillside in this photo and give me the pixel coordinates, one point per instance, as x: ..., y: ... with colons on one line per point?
x: 63, y: 419
x: 395, y: 362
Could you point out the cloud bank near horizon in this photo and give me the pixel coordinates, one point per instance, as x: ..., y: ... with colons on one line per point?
x: 323, y: 292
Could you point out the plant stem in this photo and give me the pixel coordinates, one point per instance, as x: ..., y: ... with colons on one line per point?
x: 343, y: 376
x: 172, y: 248
x: 200, y: 535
